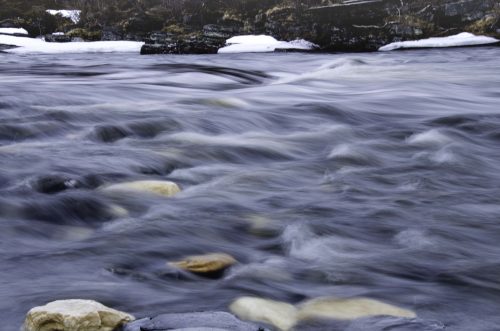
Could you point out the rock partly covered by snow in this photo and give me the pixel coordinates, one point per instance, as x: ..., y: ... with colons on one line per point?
x: 13, y: 31
x: 30, y: 45
x: 73, y: 15
x: 72, y: 315
x: 263, y: 44
x: 461, y: 39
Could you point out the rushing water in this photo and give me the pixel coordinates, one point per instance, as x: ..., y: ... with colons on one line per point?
x: 347, y: 175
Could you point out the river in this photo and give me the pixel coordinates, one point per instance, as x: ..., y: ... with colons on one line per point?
x: 374, y: 175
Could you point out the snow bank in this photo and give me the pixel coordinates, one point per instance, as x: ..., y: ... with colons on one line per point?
x: 262, y: 44
x: 73, y: 15
x: 30, y: 45
x: 461, y: 39
x: 13, y: 31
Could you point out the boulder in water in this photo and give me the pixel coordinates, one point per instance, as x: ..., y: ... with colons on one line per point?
x: 349, y: 309
x: 279, y: 314
x: 75, y: 315
x: 205, y: 264
x: 159, y: 187
x: 285, y: 316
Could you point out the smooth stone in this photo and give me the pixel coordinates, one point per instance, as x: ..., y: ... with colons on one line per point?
x: 285, y: 316
x: 203, y: 264
x: 203, y: 321
x: 279, y: 314
x: 159, y: 187
x: 75, y: 315
x: 349, y: 309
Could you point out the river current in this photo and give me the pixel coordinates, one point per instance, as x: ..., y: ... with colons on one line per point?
x: 347, y: 175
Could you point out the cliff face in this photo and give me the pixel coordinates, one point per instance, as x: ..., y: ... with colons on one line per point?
x: 335, y: 25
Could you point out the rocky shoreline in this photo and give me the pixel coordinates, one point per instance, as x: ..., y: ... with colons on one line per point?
x: 346, y: 26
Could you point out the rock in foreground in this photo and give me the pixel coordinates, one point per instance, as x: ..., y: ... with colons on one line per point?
x: 205, y: 321
x: 280, y: 314
x: 285, y: 316
x: 75, y: 315
x: 349, y: 309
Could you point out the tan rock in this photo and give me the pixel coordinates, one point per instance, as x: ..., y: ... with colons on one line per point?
x: 349, y: 309
x: 159, y: 187
x: 75, y: 315
x: 280, y: 314
x: 208, y: 263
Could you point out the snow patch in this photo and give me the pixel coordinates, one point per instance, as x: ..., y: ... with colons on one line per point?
x: 461, y: 39
x: 13, y: 31
x: 30, y: 45
x: 262, y: 44
x: 73, y: 15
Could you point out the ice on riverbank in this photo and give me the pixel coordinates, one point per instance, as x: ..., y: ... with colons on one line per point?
x: 461, y: 39
x: 13, y: 31
x: 73, y: 15
x: 263, y: 44
x: 39, y: 46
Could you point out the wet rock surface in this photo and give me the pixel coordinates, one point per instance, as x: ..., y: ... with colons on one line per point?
x: 204, y: 321
x: 208, y: 41
x: 72, y: 315
x: 318, y: 311
x: 209, y: 264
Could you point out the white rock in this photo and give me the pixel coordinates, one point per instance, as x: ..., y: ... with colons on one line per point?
x: 349, y: 309
x: 159, y: 187
x: 280, y: 314
x: 285, y: 316
x: 75, y: 315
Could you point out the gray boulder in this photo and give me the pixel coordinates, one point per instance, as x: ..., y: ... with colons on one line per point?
x: 205, y: 321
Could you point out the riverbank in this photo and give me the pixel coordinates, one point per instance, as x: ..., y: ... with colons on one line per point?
x: 346, y: 26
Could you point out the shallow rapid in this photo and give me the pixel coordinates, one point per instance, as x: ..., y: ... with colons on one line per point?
x: 350, y: 175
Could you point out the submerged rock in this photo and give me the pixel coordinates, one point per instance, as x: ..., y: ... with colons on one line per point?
x: 203, y: 321
x: 205, y: 264
x: 54, y: 183
x: 75, y: 315
x: 279, y: 314
x: 159, y: 187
